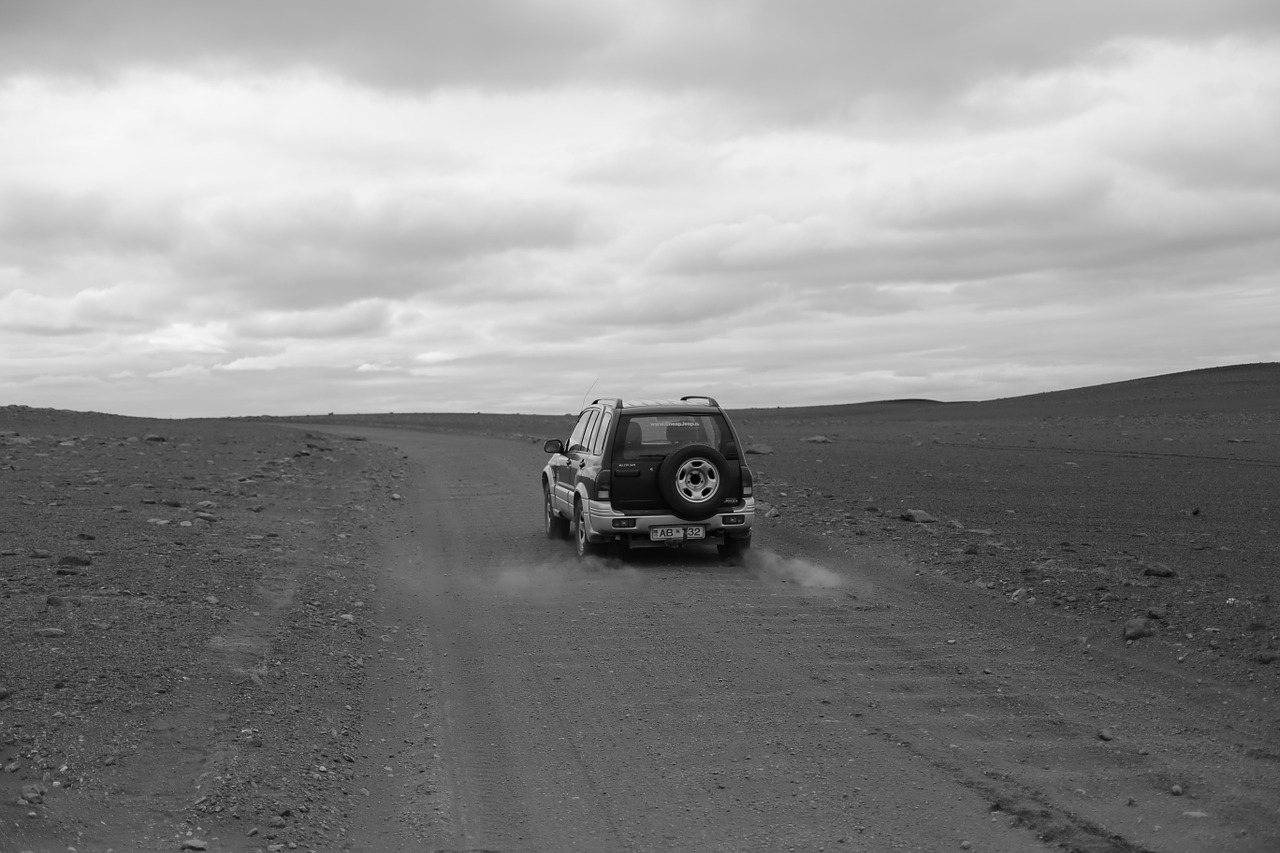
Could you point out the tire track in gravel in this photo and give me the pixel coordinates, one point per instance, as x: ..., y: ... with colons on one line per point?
x: 1017, y: 710
x: 533, y: 703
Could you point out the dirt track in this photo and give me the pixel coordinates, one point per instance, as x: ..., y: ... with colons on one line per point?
x: 397, y: 660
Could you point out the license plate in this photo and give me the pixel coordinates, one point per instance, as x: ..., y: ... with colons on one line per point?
x: 676, y: 534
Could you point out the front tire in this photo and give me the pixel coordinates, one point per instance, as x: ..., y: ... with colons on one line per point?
x: 557, y: 526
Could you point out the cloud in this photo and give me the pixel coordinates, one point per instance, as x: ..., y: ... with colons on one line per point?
x: 492, y: 205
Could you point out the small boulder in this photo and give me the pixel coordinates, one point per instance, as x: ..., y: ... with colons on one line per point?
x: 1138, y: 627
x: 1158, y: 570
x: 918, y: 516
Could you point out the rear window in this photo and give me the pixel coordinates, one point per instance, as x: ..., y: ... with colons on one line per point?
x: 657, y: 435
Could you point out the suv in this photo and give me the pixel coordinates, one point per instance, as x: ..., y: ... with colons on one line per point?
x: 650, y: 474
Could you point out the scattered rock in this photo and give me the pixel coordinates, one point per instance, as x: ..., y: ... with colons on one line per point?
x: 40, y: 554
x: 75, y: 560
x: 1266, y: 658
x: 817, y: 439
x: 1176, y: 790
x: 1158, y: 570
x: 1105, y: 734
x: 50, y: 633
x: 918, y: 516
x: 194, y: 844
x: 759, y: 450
x: 155, y: 439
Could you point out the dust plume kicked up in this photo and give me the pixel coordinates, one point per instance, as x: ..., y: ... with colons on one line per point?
x: 793, y: 570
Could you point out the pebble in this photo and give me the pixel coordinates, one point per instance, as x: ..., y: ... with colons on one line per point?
x: 1176, y: 790
x: 50, y: 632
x: 1105, y: 734
x: 195, y: 844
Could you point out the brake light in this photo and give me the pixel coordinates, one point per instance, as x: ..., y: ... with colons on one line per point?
x: 602, y: 485
x: 748, y: 488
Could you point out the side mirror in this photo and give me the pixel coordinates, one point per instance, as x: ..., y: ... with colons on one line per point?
x: 553, y: 445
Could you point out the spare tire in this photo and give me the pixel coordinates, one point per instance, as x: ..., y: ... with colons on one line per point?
x: 694, y: 481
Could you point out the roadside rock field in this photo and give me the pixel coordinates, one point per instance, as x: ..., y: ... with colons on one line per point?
x: 153, y: 577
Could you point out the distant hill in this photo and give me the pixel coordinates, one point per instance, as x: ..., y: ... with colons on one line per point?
x: 1243, y: 388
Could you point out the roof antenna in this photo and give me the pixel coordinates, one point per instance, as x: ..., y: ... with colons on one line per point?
x: 588, y: 394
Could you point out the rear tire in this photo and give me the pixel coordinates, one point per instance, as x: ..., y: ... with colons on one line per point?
x: 557, y: 526
x: 735, y: 550
x: 583, y: 546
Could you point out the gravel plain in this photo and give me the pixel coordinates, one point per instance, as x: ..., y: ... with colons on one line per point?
x: 198, y: 621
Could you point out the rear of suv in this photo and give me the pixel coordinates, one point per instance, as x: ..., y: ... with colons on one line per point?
x: 650, y: 474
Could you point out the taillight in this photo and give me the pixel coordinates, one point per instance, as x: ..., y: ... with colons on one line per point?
x: 748, y: 489
x: 602, y: 485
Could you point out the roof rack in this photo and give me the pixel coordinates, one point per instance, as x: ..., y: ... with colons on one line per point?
x: 616, y: 402
x: 710, y: 401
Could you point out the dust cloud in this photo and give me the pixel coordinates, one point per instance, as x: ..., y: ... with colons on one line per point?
x: 793, y: 570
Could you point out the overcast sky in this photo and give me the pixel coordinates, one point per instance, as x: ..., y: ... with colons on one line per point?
x: 308, y: 206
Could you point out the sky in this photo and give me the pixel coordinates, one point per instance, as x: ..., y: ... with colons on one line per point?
x: 312, y: 206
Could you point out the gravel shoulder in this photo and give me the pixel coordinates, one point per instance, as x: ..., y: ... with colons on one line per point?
x: 181, y: 657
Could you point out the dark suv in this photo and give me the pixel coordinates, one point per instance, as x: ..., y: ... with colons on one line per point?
x: 650, y: 474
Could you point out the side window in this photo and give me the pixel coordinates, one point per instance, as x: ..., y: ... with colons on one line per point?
x: 602, y: 432
x: 581, y: 433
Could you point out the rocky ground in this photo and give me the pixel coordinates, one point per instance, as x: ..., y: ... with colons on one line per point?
x: 183, y: 602
x: 181, y: 646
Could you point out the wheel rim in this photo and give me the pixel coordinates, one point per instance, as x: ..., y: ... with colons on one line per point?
x: 697, y: 480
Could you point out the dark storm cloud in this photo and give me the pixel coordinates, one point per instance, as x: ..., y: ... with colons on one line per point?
x: 396, y: 42
x: 803, y: 55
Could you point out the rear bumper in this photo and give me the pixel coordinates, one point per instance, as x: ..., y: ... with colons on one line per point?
x: 605, y: 524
